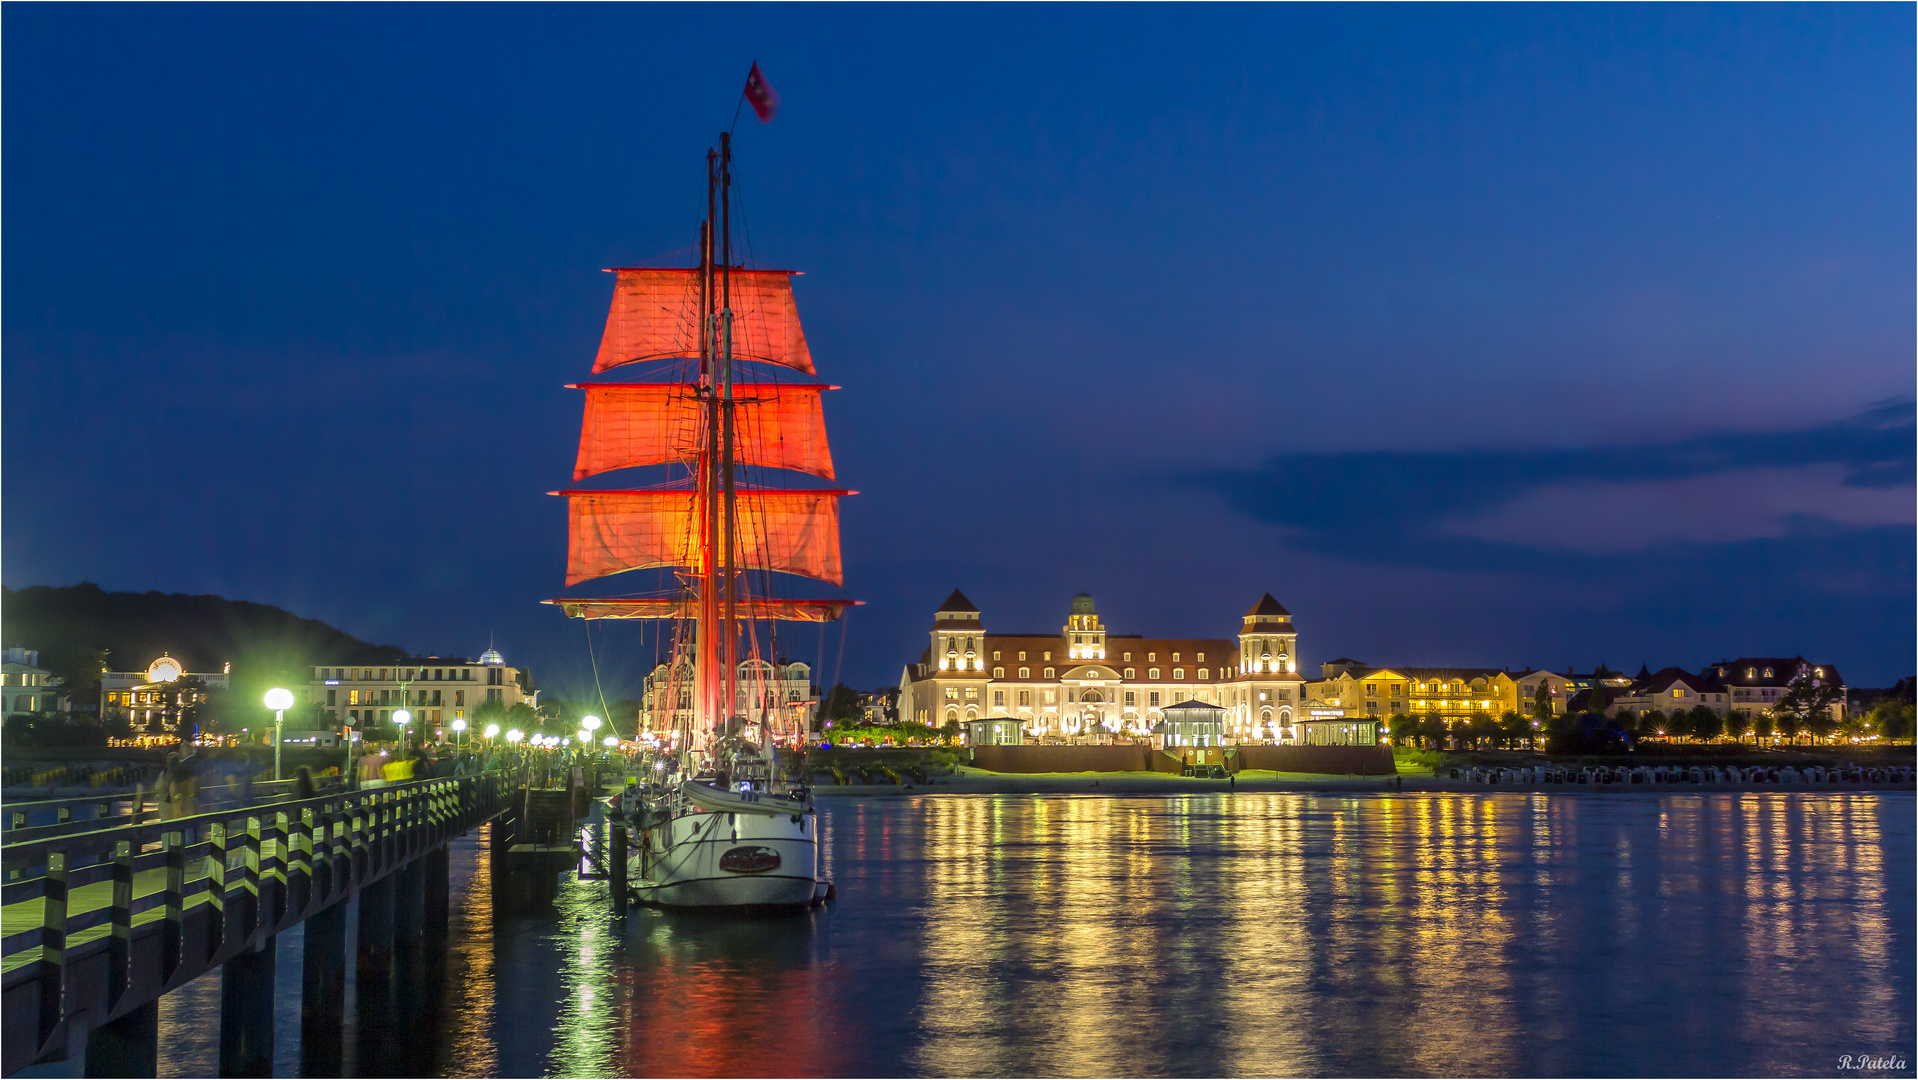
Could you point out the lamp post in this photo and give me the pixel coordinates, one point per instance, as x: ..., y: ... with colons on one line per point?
x: 400, y: 719
x: 279, y: 700
x: 459, y: 731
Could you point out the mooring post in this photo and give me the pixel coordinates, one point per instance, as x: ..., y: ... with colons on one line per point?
x: 323, y: 992
x: 129, y: 1046
x: 246, y: 1011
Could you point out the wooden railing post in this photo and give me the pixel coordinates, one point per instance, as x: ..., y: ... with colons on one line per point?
x: 173, y: 938
x: 53, y: 943
x: 120, y: 949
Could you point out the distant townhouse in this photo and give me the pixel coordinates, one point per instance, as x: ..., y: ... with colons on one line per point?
x: 435, y: 690
x: 26, y: 687
x: 1672, y: 691
x: 1756, y: 683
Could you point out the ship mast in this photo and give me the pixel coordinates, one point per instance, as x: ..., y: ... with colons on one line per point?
x: 728, y: 628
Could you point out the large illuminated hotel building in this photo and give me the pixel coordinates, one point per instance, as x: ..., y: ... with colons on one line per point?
x: 1085, y: 683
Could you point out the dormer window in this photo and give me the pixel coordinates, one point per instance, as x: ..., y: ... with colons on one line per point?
x: 1751, y: 673
x: 1818, y: 672
x: 1175, y: 658
x: 1767, y: 673
x: 1047, y: 656
x: 1049, y: 673
x: 1128, y: 659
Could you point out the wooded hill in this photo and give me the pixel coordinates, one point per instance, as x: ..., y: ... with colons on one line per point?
x: 78, y: 628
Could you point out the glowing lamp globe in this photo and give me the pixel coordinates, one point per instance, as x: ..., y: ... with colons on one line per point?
x: 491, y: 730
x: 610, y: 740
x: 585, y: 736
x: 590, y: 723
x: 514, y: 735
x: 459, y: 725
x: 279, y: 699
x: 402, y: 717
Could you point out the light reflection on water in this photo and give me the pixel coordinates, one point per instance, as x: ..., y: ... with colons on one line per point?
x: 1260, y: 934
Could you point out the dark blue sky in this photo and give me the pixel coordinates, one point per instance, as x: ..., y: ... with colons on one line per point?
x: 1489, y: 336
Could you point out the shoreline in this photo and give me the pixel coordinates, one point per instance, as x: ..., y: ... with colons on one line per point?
x: 979, y: 782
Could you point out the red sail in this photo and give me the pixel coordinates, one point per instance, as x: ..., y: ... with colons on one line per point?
x: 752, y: 608
x: 629, y: 424
x: 793, y: 532
x: 655, y: 314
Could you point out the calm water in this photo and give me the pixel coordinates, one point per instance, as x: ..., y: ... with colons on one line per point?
x: 1682, y: 935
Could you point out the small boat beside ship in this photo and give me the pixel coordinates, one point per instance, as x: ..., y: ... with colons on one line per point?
x: 725, y: 820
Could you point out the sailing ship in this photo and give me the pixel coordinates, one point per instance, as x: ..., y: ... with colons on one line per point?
x: 725, y: 820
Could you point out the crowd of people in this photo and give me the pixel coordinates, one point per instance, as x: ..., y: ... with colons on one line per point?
x: 196, y: 781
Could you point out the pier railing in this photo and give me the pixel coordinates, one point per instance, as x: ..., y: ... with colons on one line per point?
x: 100, y: 923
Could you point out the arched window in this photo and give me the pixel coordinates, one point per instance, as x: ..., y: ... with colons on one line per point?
x: 998, y: 673
x: 1049, y: 673
x: 1025, y: 673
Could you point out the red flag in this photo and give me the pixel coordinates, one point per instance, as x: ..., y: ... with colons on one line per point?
x: 761, y: 93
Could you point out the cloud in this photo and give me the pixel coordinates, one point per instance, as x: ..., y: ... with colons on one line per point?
x: 1588, y: 508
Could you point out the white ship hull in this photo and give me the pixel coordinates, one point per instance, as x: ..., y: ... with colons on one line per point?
x: 716, y: 860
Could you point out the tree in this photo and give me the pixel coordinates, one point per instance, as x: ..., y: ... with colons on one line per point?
x: 1513, y: 727
x: 1542, y: 702
x: 521, y: 716
x: 841, y: 705
x: 1404, y: 729
x: 1806, y: 697
x: 1763, y: 725
x: 1737, y: 724
x: 1705, y: 724
x: 1893, y: 719
x: 950, y: 730
x: 1653, y: 723
x: 493, y: 712
x: 1484, y: 728
x: 1789, y: 724
x: 1432, y: 732
x: 1627, y: 720
x: 1598, y: 701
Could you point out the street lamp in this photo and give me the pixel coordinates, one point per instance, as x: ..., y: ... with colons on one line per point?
x: 590, y: 723
x: 515, y: 735
x: 492, y: 731
x: 459, y: 729
x: 400, y: 719
x: 609, y: 741
x: 279, y: 700
x: 585, y: 736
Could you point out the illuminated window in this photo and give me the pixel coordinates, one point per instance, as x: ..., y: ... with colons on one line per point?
x: 1022, y: 655
x: 1049, y: 670
x: 998, y: 673
x: 952, y: 693
x: 1152, y: 673
x: 1202, y: 671
x: 972, y: 693
x: 1131, y: 673
x: 1175, y: 658
x: 1128, y: 658
x: 1767, y: 673
x: 1025, y: 697
x: 1025, y: 673
x: 995, y: 654
x: 1371, y: 690
x: 1178, y: 673
x: 999, y: 697
x: 1131, y: 698
x: 1152, y: 699
x: 1047, y: 656
x: 1152, y: 656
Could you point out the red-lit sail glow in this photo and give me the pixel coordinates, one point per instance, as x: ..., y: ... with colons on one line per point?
x: 655, y: 314
x: 630, y: 424
x: 792, y: 532
x: 818, y: 611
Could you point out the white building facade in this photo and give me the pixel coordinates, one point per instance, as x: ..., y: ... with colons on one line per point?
x: 1087, y: 685
x: 435, y: 690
